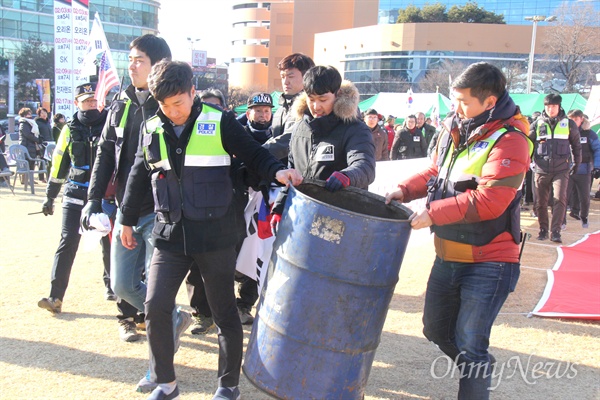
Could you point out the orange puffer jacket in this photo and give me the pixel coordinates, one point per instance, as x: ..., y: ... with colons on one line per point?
x: 501, y: 177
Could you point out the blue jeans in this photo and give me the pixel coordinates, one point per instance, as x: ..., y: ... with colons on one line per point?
x: 461, y: 303
x: 128, y: 267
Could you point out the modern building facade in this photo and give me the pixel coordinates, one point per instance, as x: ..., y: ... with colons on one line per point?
x: 379, y: 56
x: 266, y: 32
x: 123, y: 21
x: 514, y: 11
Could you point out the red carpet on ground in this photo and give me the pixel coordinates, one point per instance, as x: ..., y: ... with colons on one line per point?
x: 573, y: 288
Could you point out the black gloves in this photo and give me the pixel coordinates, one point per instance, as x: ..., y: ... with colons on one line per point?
x: 596, y: 173
x: 92, y: 207
x: 48, y: 206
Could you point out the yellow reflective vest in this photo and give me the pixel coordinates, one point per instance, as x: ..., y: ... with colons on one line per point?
x: 201, y: 188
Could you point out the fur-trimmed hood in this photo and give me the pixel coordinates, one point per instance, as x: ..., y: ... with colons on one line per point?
x: 586, y: 124
x: 345, y: 105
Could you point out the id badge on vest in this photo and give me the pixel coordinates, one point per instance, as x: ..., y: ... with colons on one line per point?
x: 325, y: 153
x: 416, y: 139
x: 583, y: 140
x: 206, y: 129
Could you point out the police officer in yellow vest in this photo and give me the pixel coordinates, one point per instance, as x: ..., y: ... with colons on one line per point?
x: 72, y: 162
x: 557, y: 155
x: 473, y: 193
x: 187, y: 148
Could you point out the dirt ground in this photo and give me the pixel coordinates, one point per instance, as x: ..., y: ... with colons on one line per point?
x: 78, y: 354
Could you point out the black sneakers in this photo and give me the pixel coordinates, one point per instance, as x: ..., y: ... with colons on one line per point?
x: 245, y: 316
x: 202, y: 324
x: 555, y: 237
x: 51, y: 304
x: 127, y: 331
x: 543, y: 234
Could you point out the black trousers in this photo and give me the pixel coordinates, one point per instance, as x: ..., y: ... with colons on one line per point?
x: 578, y: 194
x: 65, y: 254
x: 544, y: 185
x: 196, y: 292
x: 167, y: 272
x: 248, y: 292
x: 528, y: 187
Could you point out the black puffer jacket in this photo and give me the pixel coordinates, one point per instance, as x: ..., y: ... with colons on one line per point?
x: 282, y: 124
x: 45, y: 129
x: 27, y: 137
x: 339, y: 141
x: 408, y: 145
x: 73, y: 159
x: 116, y: 150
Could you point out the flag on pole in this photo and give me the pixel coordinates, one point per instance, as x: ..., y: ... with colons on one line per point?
x: 107, y: 72
x: 97, y: 44
x: 107, y: 77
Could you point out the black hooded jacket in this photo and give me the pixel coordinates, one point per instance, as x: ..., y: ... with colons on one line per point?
x: 116, y: 150
x: 339, y: 141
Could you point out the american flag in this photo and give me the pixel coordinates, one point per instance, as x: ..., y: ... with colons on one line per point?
x: 107, y: 77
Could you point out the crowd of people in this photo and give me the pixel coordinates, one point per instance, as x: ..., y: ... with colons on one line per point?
x: 186, y: 185
x: 566, y: 160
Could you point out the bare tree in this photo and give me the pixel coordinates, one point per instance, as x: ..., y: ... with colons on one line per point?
x: 238, y: 96
x: 589, y: 73
x: 573, y: 41
x: 438, y: 79
x: 393, y: 85
x: 516, y: 78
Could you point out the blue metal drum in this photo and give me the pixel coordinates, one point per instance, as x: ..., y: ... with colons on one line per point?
x: 319, y: 321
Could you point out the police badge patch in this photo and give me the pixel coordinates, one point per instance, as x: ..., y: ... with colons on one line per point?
x: 563, y: 124
x: 206, y: 129
x: 480, y: 146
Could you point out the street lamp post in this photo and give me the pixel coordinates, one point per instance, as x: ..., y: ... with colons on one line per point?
x: 535, y: 19
x: 192, y: 41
